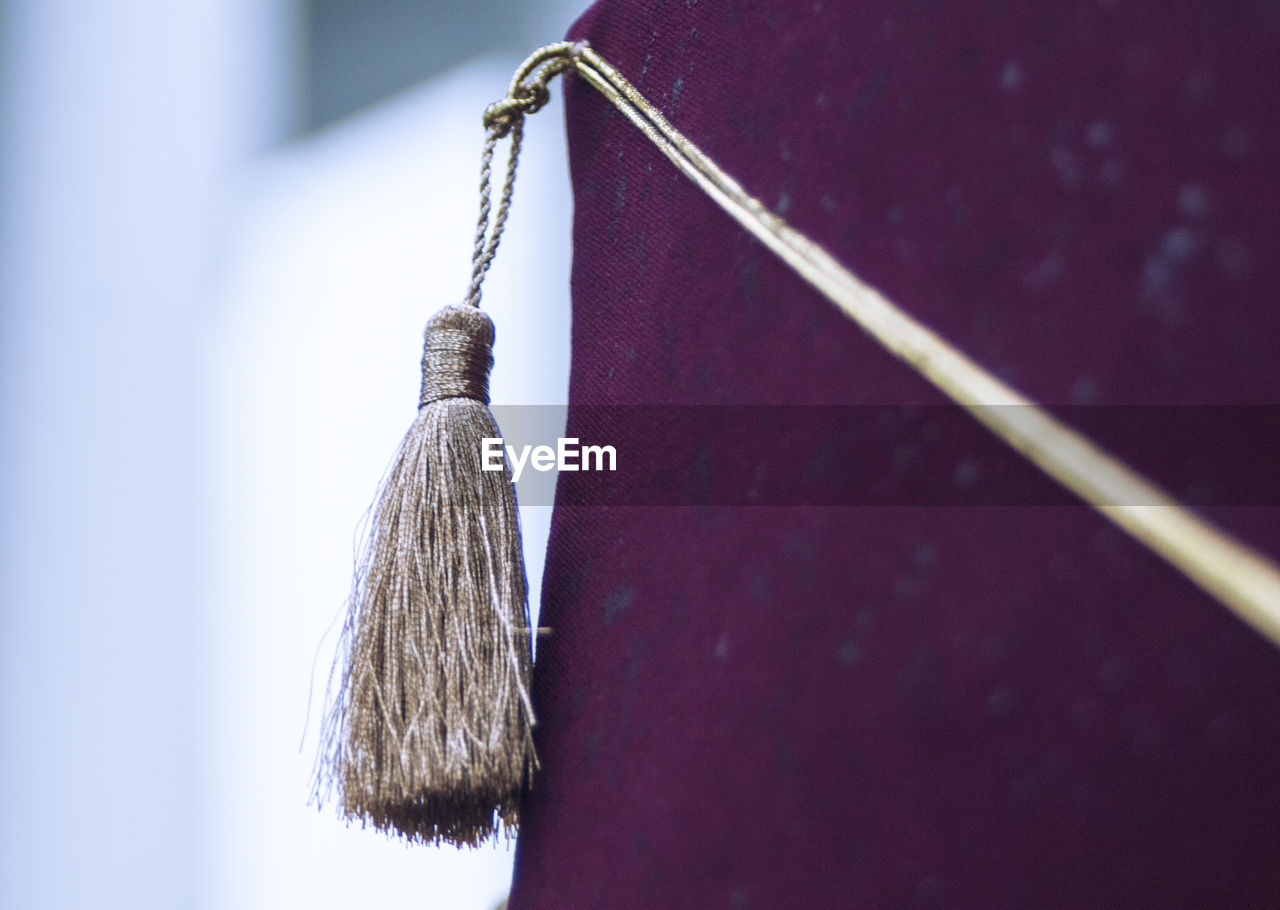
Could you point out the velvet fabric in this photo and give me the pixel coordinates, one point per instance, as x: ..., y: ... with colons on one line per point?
x: 994, y: 704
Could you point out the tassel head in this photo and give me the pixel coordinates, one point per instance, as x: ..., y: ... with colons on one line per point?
x: 430, y: 735
x: 457, y: 355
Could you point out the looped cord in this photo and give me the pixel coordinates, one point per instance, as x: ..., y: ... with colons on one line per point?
x: 501, y: 116
x: 527, y: 94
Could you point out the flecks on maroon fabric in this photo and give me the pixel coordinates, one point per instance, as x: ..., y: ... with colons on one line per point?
x: 990, y: 707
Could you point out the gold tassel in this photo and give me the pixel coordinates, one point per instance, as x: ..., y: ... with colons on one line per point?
x: 430, y: 734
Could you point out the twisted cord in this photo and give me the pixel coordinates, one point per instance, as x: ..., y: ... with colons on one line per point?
x: 486, y: 242
x: 527, y: 94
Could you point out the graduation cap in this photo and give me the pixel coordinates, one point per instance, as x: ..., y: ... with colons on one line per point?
x: 951, y: 681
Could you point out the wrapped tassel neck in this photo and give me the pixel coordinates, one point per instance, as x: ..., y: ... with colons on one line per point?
x: 457, y: 356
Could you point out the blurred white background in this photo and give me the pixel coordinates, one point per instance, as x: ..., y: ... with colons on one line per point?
x: 224, y: 224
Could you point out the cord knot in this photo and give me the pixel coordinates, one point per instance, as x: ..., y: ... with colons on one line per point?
x: 527, y: 98
x: 457, y: 355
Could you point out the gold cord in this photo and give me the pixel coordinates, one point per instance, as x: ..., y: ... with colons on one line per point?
x: 527, y: 94
x: 1235, y: 574
x: 483, y: 253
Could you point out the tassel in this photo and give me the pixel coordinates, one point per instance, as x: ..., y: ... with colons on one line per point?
x: 431, y: 735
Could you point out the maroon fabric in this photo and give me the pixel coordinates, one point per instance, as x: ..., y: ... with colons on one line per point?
x: 984, y: 706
